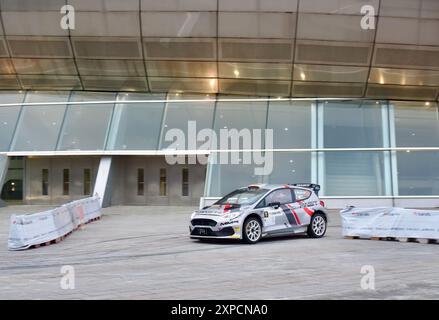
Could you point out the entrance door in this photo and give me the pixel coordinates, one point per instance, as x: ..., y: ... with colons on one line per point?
x: 57, y: 180
x: 151, y: 181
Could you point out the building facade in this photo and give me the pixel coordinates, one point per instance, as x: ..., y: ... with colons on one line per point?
x: 348, y: 88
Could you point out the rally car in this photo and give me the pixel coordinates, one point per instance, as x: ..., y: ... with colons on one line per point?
x: 262, y: 210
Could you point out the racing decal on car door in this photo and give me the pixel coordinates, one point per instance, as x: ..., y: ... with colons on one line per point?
x: 305, y: 208
x: 291, y: 214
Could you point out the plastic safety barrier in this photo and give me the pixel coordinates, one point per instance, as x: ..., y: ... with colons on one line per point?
x: 34, y: 229
x: 390, y: 222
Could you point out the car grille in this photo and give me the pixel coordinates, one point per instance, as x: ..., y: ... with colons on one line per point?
x: 228, y: 231
x: 203, y: 222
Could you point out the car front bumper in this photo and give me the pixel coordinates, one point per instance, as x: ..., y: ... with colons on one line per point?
x: 214, y: 227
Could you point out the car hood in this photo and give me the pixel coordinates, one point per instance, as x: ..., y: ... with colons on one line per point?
x: 219, y: 210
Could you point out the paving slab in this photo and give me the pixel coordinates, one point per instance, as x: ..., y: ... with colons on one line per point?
x: 137, y: 252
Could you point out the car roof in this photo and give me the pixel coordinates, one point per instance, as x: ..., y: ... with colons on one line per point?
x: 275, y: 186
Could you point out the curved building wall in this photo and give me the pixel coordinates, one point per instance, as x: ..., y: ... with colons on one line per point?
x: 353, y: 148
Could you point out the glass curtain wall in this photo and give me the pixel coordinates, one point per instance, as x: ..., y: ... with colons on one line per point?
x: 38, y: 126
x: 339, y: 144
x: 8, y: 117
x: 86, y: 125
x: 136, y: 126
x: 353, y: 124
x: 417, y: 125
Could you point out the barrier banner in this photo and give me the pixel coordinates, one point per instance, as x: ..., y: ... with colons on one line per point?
x: 390, y: 222
x: 38, y: 228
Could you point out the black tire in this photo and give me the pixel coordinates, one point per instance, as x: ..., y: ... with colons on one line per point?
x: 317, y: 226
x: 252, y: 230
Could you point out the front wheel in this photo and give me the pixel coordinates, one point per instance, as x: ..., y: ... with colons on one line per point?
x: 252, y: 230
x: 317, y: 226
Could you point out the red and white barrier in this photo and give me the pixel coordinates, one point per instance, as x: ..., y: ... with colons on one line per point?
x: 390, y: 222
x: 43, y: 227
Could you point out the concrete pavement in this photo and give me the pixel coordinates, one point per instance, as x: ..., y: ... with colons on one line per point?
x: 145, y: 253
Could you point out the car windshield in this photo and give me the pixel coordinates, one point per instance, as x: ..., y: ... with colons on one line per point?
x: 242, y: 196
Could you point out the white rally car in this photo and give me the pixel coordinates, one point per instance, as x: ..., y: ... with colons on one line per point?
x: 262, y: 210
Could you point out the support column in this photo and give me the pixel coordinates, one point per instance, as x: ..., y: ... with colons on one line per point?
x: 103, y: 181
x: 4, y: 164
x: 321, y: 164
x: 387, y: 142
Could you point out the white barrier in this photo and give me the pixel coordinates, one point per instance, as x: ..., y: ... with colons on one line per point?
x: 38, y: 228
x: 390, y: 222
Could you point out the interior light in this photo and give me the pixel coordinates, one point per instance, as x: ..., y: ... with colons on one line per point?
x: 302, y: 75
x: 427, y: 103
x: 236, y: 73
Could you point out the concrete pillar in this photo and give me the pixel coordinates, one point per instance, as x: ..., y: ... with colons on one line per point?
x: 103, y: 181
x: 4, y: 164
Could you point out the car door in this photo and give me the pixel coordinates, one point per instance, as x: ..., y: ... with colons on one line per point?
x: 302, y: 207
x: 274, y: 217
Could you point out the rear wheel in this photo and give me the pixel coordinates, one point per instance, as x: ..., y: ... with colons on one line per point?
x: 317, y: 226
x: 252, y: 232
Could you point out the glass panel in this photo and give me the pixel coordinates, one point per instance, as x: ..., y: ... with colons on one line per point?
x: 291, y: 167
x: 353, y: 124
x: 178, y: 115
x: 354, y: 174
x: 136, y: 126
x: 416, y: 124
x: 86, y: 125
x: 309, y: 72
x: 185, y: 69
x: 282, y: 196
x: 287, y: 167
x: 302, y: 194
x: 8, y: 118
x: 89, y: 67
x: 140, y: 181
x: 291, y: 124
x: 39, y: 126
x: 87, y: 181
x: 45, y: 182
x: 238, y: 70
x: 224, y: 178
x: 418, y: 173
x: 65, y: 182
x: 163, y: 182
x: 240, y: 115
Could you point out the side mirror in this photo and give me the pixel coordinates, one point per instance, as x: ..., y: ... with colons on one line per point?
x: 275, y: 205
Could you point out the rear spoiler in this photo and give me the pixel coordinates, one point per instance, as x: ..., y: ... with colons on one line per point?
x: 313, y: 186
